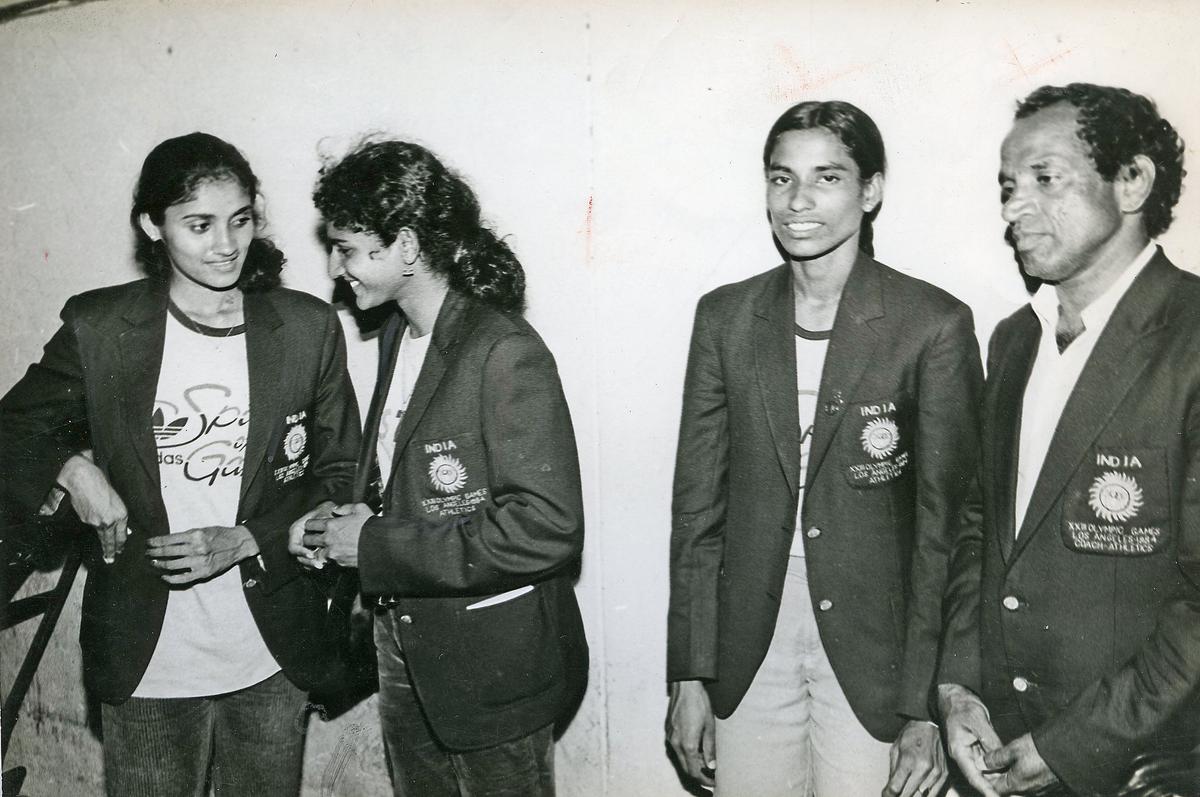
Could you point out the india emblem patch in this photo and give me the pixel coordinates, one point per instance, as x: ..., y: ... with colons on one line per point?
x: 295, y: 443
x: 1115, y: 497
x: 880, y: 437
x: 447, y: 474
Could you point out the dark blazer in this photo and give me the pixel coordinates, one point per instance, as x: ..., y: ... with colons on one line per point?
x: 1091, y: 625
x: 484, y: 497
x: 94, y: 388
x: 878, y: 530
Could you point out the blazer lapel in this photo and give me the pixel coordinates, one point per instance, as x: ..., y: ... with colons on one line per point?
x: 1121, y: 355
x: 775, y: 367
x: 451, y: 323
x: 1011, y: 377
x: 141, y: 347
x: 851, y: 348
x: 266, y: 354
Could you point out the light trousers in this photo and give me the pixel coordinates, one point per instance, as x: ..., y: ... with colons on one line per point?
x: 794, y: 734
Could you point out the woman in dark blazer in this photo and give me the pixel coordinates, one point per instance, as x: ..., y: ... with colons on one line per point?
x: 471, y: 561
x: 190, y: 418
x: 827, y: 435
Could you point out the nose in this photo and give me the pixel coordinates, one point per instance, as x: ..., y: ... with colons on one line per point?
x: 224, y: 243
x: 801, y: 197
x: 333, y: 265
x: 1015, y: 205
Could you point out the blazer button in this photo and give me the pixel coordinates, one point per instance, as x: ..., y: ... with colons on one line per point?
x: 813, y: 533
x: 825, y: 605
x: 1011, y: 603
x: 250, y: 583
x: 406, y: 619
x: 1020, y: 684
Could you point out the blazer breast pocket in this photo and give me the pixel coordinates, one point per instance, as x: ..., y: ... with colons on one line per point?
x: 290, y: 453
x: 447, y: 477
x: 1117, y: 503
x: 877, y: 441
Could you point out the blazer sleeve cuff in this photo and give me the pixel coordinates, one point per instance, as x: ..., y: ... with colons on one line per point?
x: 1083, y: 764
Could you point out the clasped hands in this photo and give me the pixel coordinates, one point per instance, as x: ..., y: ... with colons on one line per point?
x: 329, y: 532
x: 990, y: 767
x: 187, y: 556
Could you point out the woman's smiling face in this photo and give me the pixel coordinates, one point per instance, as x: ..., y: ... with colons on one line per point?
x: 208, y: 235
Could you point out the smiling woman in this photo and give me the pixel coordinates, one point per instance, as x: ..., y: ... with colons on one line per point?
x: 863, y: 382
x: 206, y: 237
x: 190, y: 418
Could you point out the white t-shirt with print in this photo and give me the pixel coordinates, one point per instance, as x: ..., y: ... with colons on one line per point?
x: 209, y: 643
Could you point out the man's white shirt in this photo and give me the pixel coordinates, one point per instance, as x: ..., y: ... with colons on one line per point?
x: 1054, y: 374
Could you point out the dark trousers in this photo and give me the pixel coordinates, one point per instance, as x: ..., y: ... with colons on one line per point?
x: 163, y: 747
x: 422, y: 767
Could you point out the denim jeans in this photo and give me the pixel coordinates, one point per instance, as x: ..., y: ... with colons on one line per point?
x: 421, y: 767
x: 794, y: 734
x: 163, y: 747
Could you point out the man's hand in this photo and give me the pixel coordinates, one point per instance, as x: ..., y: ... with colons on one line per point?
x: 1021, y: 768
x: 918, y: 765
x: 969, y: 734
x: 96, y: 503
x: 311, y: 558
x: 338, y: 534
x: 201, y: 553
x: 691, y: 730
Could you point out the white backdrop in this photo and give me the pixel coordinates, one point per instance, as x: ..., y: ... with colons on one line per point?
x: 618, y: 146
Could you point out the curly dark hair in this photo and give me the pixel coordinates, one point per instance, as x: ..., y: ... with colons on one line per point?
x: 1115, y: 125
x: 383, y: 185
x: 171, y: 174
x: 851, y: 126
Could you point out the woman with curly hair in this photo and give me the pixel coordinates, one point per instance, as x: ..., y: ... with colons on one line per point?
x: 190, y: 418
x: 478, y: 636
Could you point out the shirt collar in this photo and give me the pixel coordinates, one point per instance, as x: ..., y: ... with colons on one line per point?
x: 1095, y: 316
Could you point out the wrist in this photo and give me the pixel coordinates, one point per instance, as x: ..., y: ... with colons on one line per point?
x: 72, y: 471
x: 247, y: 545
x: 953, y: 697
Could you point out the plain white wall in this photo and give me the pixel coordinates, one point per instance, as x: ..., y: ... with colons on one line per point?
x: 617, y: 144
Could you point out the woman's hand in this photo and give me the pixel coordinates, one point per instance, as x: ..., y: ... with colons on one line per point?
x: 201, y: 553
x: 339, y: 534
x: 95, y: 502
x: 311, y: 558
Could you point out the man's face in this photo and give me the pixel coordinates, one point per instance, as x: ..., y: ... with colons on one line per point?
x: 1061, y: 214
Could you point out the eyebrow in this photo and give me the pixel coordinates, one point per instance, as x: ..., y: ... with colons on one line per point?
x: 824, y: 167
x: 205, y: 216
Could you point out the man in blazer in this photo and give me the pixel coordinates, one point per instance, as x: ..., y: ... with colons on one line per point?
x: 1075, y: 605
x: 892, y: 442
x: 472, y: 559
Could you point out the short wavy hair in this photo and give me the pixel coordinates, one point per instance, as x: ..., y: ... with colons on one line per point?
x: 1115, y: 125
x: 171, y: 174
x: 383, y: 186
